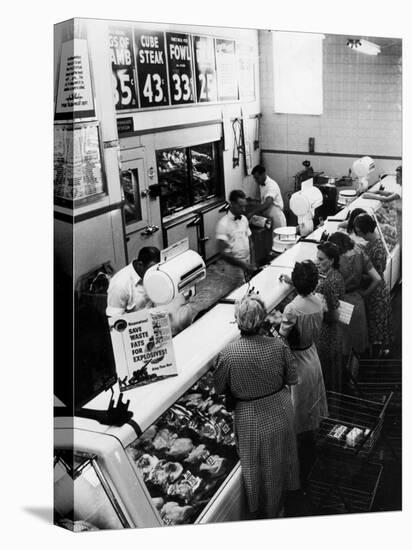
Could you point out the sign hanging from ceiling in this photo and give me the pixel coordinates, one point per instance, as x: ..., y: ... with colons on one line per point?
x: 151, y: 68
x: 121, y: 52
x: 74, y: 92
x: 179, y: 56
x: 205, y: 68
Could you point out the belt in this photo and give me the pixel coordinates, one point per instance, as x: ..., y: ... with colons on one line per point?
x: 302, y: 349
x: 260, y: 396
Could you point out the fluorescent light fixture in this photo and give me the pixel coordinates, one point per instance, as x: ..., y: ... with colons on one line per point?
x: 363, y: 46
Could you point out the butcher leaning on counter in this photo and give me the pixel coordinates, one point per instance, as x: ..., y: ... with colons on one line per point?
x: 126, y: 292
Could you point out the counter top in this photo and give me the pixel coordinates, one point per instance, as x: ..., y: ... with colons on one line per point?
x: 197, y: 347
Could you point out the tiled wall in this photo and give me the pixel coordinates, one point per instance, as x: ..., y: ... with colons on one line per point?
x: 362, y: 112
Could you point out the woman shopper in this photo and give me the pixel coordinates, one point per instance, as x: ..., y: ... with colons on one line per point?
x: 355, y: 267
x: 304, y: 316
x: 377, y: 302
x: 255, y: 371
x: 330, y: 342
x: 303, y: 319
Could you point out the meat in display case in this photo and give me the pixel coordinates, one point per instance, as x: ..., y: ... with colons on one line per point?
x: 186, y: 455
x: 183, y: 469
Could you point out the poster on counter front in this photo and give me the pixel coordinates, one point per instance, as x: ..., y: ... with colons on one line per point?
x: 143, y: 347
x: 151, y: 68
x: 123, y: 63
x: 179, y: 56
x: 74, y: 90
x: 78, y: 173
x: 205, y: 68
x: 226, y: 63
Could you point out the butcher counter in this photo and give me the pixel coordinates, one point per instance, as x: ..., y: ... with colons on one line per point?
x: 111, y: 449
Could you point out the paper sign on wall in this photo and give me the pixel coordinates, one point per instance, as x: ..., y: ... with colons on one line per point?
x: 74, y: 92
x: 205, y: 68
x: 143, y: 347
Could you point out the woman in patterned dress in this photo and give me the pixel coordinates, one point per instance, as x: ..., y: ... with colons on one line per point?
x: 377, y: 302
x: 255, y: 370
x: 354, y: 266
x: 330, y: 343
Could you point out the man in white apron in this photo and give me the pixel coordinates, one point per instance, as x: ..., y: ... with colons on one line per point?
x: 270, y: 197
x: 234, y: 240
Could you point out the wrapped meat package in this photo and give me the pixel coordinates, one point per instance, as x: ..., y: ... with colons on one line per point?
x: 198, y: 454
x: 214, y: 466
x: 180, y: 447
x: 186, y: 487
x: 146, y: 464
x: 173, y: 514
x: 164, y: 439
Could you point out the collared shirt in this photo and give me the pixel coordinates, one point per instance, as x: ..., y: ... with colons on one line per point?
x: 236, y: 234
x: 126, y: 292
x: 271, y: 189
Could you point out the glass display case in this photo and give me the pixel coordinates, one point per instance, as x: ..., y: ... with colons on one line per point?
x: 83, y: 500
x: 188, y: 176
x: 386, y: 217
x: 186, y: 455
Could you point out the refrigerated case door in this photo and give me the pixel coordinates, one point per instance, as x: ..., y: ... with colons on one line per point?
x: 137, y: 208
x: 188, y: 227
x: 210, y: 220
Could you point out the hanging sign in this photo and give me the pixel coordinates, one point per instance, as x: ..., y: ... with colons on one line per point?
x: 205, y: 68
x: 74, y: 91
x: 78, y: 174
x: 151, y: 68
x: 121, y: 53
x: 227, y: 84
x: 179, y: 56
x: 143, y: 347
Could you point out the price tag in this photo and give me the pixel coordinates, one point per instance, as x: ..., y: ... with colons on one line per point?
x: 151, y: 68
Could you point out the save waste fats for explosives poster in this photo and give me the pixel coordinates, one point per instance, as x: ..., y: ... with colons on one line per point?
x: 143, y: 347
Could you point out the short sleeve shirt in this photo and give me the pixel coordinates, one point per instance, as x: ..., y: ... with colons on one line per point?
x: 126, y: 293
x: 236, y: 234
x: 271, y: 189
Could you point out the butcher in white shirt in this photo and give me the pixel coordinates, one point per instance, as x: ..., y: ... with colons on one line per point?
x: 233, y: 236
x: 270, y: 197
x: 126, y: 292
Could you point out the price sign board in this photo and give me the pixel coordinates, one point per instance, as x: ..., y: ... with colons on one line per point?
x: 121, y: 52
x: 179, y: 55
x: 151, y: 68
x: 205, y: 68
x: 227, y: 78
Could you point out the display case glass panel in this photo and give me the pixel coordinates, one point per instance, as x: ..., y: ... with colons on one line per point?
x: 188, y: 176
x: 83, y: 500
x: 173, y: 174
x: 186, y: 455
x: 204, y: 172
x: 386, y: 217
